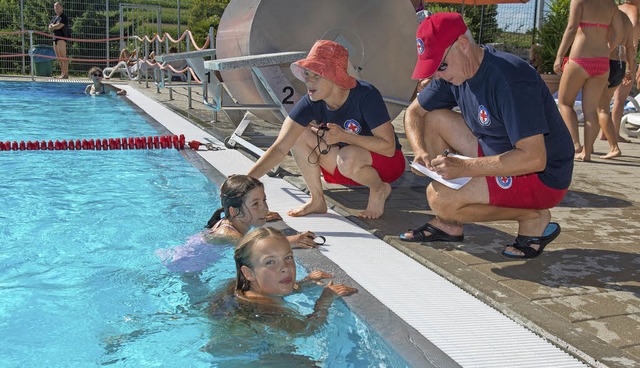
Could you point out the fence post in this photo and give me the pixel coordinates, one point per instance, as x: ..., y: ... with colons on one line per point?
x: 106, y: 30
x: 212, y: 46
x: 22, y: 35
x: 212, y: 39
x: 33, y: 77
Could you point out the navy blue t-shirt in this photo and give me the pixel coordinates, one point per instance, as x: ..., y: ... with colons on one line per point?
x: 504, y: 102
x: 363, y: 111
x: 65, y: 31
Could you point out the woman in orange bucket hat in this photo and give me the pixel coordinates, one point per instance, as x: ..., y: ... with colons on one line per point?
x: 341, y: 129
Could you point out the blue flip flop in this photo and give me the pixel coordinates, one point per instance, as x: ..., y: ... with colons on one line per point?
x: 523, y: 243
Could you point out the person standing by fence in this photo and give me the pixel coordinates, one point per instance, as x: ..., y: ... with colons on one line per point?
x: 60, y: 27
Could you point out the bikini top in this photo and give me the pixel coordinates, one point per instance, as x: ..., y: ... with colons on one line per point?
x: 587, y: 25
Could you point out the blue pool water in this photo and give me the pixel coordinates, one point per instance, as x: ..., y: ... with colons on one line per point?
x: 80, y: 281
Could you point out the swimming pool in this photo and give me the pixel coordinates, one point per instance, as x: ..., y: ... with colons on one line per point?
x: 80, y: 281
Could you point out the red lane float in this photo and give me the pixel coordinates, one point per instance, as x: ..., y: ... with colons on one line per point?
x: 126, y: 143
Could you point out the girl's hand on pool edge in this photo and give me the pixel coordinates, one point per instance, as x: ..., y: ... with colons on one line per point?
x: 304, y: 240
x: 273, y: 216
x: 319, y: 275
x: 340, y: 289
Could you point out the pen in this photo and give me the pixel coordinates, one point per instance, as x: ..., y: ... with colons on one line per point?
x: 445, y: 153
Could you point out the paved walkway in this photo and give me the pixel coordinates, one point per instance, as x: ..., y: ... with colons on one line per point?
x: 582, y: 293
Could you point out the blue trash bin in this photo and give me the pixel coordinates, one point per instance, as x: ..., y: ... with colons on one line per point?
x: 42, y: 65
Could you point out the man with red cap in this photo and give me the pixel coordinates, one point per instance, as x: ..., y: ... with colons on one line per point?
x: 520, y: 154
x: 341, y: 129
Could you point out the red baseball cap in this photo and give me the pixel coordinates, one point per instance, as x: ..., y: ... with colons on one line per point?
x: 434, y: 35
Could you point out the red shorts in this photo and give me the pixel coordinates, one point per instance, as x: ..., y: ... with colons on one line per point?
x: 389, y: 169
x: 522, y: 191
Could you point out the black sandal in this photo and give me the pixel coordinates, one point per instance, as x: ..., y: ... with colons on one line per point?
x: 436, y: 235
x: 523, y: 243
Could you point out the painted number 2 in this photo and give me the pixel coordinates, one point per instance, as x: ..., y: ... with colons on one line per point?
x: 287, y: 99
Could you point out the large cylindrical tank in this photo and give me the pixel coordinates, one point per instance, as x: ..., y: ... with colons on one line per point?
x: 379, y: 34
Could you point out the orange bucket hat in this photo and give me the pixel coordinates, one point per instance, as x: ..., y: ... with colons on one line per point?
x: 329, y: 60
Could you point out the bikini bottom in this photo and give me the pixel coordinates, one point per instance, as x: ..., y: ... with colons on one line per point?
x: 617, y: 70
x: 594, y: 66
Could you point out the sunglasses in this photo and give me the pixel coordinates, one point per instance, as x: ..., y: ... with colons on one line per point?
x: 443, y: 65
x: 322, y: 146
x: 320, y: 140
x: 96, y: 75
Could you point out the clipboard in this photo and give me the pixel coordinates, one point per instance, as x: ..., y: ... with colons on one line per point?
x: 455, y: 184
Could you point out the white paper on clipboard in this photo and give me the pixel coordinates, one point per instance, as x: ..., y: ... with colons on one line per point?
x: 456, y: 183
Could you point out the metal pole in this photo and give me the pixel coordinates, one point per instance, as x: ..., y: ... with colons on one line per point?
x: 121, y: 18
x: 540, y: 6
x: 33, y: 78
x: 179, y: 24
x: 212, y: 40
x: 481, y: 25
x: 22, y: 29
x: 159, y: 22
x: 159, y: 15
x: 106, y: 30
x: 535, y: 18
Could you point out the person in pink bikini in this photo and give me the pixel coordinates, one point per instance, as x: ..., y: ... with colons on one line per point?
x: 588, y: 34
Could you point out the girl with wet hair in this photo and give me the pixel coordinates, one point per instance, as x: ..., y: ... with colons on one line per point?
x: 244, y: 205
x: 265, y: 274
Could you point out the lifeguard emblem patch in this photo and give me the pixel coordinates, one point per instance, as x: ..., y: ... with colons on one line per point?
x: 352, y: 126
x: 504, y: 182
x: 483, y: 116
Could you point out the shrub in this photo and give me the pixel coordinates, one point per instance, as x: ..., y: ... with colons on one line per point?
x: 550, y: 34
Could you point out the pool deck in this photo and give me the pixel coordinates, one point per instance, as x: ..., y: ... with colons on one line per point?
x: 582, y: 293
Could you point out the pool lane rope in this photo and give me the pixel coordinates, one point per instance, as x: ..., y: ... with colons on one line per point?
x: 127, y: 143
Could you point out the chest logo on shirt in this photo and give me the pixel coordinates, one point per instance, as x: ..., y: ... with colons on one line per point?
x: 504, y: 182
x: 420, y: 46
x: 352, y: 126
x: 483, y: 116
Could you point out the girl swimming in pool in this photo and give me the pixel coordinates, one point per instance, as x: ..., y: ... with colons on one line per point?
x: 97, y: 87
x: 265, y: 273
x: 244, y: 205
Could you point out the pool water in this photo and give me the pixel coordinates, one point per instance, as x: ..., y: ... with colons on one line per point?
x: 81, y: 282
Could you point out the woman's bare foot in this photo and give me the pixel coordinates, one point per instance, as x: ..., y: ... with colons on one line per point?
x: 310, y: 207
x: 577, y: 147
x: 377, y: 200
x: 582, y: 156
x: 613, y: 153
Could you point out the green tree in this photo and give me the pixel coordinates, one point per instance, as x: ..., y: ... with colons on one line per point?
x: 204, y: 14
x: 551, y: 33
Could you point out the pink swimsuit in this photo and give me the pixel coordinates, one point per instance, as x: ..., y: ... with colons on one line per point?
x: 595, y: 65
